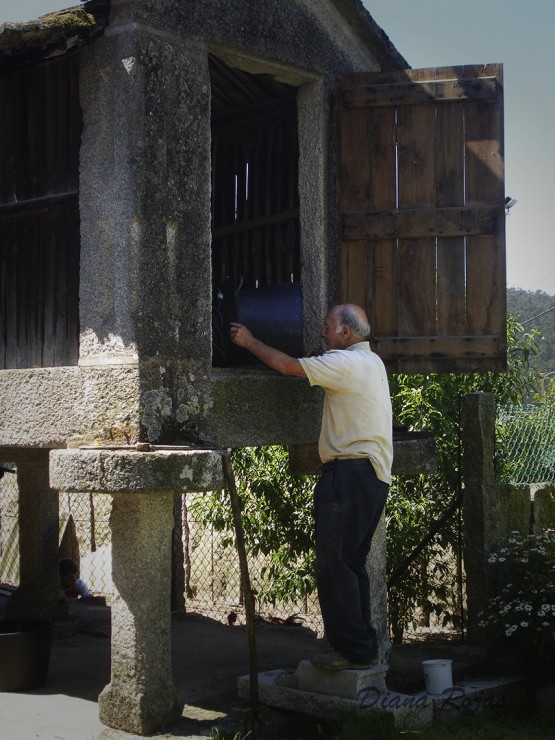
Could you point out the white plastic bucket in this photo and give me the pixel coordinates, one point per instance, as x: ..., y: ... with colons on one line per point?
x: 437, y: 675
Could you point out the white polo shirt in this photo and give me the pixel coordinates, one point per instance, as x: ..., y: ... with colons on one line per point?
x: 357, y: 418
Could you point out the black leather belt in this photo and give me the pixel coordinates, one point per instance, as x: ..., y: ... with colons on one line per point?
x: 350, y: 462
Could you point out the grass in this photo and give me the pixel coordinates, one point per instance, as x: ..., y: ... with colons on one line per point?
x: 375, y: 726
x: 492, y: 726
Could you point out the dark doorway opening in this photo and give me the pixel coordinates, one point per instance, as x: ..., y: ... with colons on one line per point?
x: 255, y: 194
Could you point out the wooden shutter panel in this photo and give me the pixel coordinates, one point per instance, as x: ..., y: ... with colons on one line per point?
x: 421, y: 217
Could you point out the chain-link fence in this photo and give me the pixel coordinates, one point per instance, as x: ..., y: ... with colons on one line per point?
x: 525, y: 453
x: 211, y: 565
x: 84, y: 536
x: 213, y: 586
x: 9, y: 529
x: 525, y: 444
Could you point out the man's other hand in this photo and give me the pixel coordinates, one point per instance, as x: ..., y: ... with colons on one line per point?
x: 240, y: 335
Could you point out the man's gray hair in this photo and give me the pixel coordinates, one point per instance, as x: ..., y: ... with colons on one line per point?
x: 347, y: 317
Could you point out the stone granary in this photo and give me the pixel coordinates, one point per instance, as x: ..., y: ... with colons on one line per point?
x: 159, y: 162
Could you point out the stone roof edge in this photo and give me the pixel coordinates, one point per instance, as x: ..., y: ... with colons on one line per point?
x: 371, y: 34
x: 53, y: 34
x: 58, y: 32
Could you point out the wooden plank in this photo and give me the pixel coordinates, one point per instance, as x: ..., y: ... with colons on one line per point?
x: 384, y: 283
x: 478, y: 364
x: 3, y: 291
x: 417, y: 311
x: 417, y: 273
x: 436, y: 347
x: 485, y: 285
x: 50, y: 274
x: 416, y: 93
x: 8, y: 296
x: 423, y: 222
x: 37, y: 205
x: 486, y: 280
x: 450, y: 177
x: 484, y: 151
x: 354, y: 261
x: 6, y: 145
x: 268, y: 220
x: 75, y: 123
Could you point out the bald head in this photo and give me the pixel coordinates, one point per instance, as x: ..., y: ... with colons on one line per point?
x: 354, y: 318
x: 345, y: 324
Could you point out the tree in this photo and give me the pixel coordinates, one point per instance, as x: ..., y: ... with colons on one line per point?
x: 525, y: 305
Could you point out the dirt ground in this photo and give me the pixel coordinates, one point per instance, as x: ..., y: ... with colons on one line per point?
x: 208, y: 657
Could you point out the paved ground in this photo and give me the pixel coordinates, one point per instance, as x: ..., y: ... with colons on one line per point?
x: 207, y: 658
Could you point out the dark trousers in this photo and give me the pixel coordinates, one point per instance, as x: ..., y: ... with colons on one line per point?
x: 348, y: 502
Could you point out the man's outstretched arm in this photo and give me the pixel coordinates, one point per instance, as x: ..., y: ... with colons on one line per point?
x: 274, y: 358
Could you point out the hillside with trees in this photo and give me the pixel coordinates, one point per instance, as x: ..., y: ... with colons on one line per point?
x: 527, y: 305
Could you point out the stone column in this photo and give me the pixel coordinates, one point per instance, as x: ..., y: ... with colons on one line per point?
x: 38, y: 595
x: 376, y: 567
x: 491, y: 511
x: 479, y: 505
x: 141, y: 695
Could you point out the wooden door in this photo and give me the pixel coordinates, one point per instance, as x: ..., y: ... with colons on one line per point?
x: 421, y: 221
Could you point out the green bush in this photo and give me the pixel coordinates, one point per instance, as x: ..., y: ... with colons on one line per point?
x: 432, y: 403
x: 276, y: 518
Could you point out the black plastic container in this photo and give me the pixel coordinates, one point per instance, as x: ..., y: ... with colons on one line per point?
x: 24, y: 654
x: 273, y: 313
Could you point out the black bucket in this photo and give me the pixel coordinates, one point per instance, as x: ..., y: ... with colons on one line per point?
x: 273, y: 313
x: 24, y: 654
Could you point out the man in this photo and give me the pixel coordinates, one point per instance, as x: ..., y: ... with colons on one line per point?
x: 356, y: 449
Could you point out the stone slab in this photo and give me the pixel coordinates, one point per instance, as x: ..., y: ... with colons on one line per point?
x: 346, y: 683
x: 276, y: 689
x: 122, y: 471
x: 279, y: 689
x: 410, y: 457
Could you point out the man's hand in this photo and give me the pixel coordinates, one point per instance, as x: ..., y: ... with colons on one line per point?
x: 240, y: 334
x: 270, y: 356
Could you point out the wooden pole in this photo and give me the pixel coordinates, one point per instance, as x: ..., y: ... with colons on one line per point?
x: 249, y: 596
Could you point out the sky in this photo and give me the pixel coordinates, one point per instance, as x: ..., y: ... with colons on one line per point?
x: 438, y: 33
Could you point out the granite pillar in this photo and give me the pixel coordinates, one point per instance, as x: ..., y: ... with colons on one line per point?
x: 141, y: 696
x: 38, y: 595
